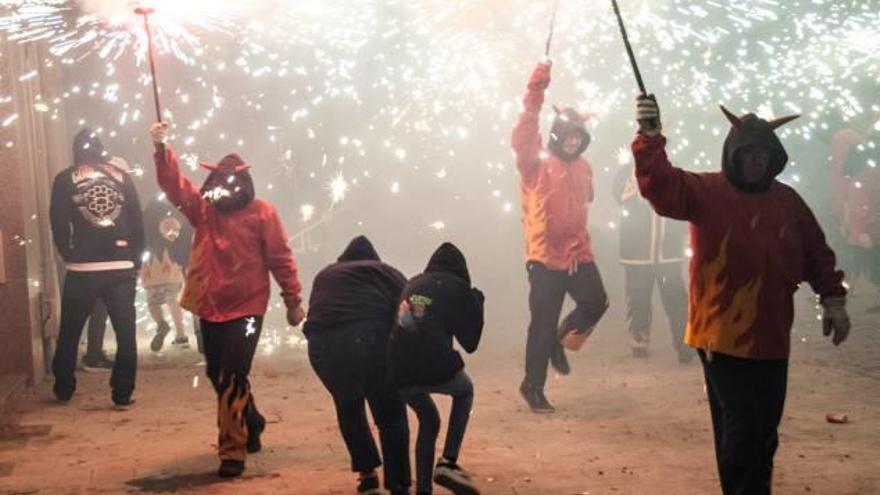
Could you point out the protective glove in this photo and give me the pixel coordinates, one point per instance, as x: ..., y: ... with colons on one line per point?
x: 540, y: 79
x: 648, y: 115
x: 835, y: 319
x: 159, y: 133
x: 296, y: 315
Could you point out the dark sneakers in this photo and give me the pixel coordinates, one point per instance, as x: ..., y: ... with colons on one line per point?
x: 450, y: 476
x: 254, y: 444
x: 369, y: 484
x: 62, y: 397
x: 97, y: 363
x: 559, y: 360
x: 123, y: 404
x: 230, y: 469
x: 536, y: 400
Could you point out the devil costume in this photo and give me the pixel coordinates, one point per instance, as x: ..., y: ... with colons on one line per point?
x: 753, y: 244
x: 238, y: 242
x: 556, y: 188
x: 97, y: 228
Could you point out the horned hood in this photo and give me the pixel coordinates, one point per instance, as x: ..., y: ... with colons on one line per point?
x: 751, y: 130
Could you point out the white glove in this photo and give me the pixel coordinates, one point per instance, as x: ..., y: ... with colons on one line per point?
x: 159, y: 132
x: 648, y: 116
x: 835, y: 319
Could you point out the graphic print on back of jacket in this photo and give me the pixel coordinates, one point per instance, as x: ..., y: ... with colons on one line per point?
x: 96, y: 216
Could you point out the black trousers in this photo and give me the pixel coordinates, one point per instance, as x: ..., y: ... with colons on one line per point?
x: 351, y: 363
x: 229, y: 352
x: 640, y: 282
x: 547, y: 290
x: 96, y: 329
x: 746, y: 399
x: 82, y: 290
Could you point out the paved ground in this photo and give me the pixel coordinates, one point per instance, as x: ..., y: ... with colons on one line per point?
x: 624, y: 426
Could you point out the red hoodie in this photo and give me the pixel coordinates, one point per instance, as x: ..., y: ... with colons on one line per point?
x: 233, y: 252
x: 555, y: 195
x: 751, y: 252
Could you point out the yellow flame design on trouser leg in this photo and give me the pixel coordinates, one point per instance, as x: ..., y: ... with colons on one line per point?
x: 231, y: 419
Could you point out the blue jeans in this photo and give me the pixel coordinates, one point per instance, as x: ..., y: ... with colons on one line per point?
x: 461, y: 389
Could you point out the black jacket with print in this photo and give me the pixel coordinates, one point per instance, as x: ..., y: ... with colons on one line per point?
x: 435, y: 306
x: 96, y: 215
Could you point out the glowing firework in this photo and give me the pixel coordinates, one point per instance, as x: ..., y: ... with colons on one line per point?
x: 338, y: 189
x: 109, y: 28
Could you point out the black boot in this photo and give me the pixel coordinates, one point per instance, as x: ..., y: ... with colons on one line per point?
x: 256, y: 425
x: 230, y: 469
x: 535, y: 398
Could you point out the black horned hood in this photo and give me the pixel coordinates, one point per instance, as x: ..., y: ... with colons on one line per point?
x: 568, y: 121
x: 751, y: 130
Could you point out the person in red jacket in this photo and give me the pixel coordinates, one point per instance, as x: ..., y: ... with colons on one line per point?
x: 754, y: 240
x: 238, y: 241
x: 556, y: 188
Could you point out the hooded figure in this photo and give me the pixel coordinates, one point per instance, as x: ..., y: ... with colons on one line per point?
x: 556, y: 190
x: 229, y: 186
x: 751, y: 131
x: 754, y: 241
x: 88, y: 148
x: 351, y: 311
x: 359, y: 287
x: 239, y: 241
x: 569, y: 122
x: 436, y: 307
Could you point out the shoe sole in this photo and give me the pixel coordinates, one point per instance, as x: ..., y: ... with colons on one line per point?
x: 455, y: 486
x: 96, y: 369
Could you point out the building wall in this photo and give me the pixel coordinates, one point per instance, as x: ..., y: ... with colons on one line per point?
x: 31, y: 151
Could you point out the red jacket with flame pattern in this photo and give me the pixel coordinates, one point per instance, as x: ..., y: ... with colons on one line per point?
x: 751, y: 252
x: 233, y: 252
x: 555, y: 195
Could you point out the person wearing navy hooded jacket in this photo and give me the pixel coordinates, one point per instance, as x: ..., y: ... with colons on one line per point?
x: 351, y: 311
x: 437, y: 306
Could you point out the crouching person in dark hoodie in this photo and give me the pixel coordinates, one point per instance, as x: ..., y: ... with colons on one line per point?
x: 437, y: 305
x: 351, y: 313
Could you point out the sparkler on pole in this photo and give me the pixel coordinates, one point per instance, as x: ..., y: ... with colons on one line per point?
x: 655, y: 123
x: 552, y: 28
x: 146, y: 12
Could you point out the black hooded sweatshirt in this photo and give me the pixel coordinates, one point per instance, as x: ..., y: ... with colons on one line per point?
x: 436, y: 306
x: 359, y: 287
x: 94, y: 211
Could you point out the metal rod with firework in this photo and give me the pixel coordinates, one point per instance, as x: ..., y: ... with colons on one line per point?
x: 146, y: 12
x: 654, y: 123
x: 552, y: 28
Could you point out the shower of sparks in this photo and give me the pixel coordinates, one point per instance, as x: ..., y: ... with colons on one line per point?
x: 74, y: 29
x: 325, y: 95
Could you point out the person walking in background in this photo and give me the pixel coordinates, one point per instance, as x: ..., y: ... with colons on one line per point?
x: 239, y: 241
x: 437, y: 306
x: 97, y: 227
x: 656, y: 260
x: 352, y: 309
x: 556, y: 189
x: 169, y: 240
